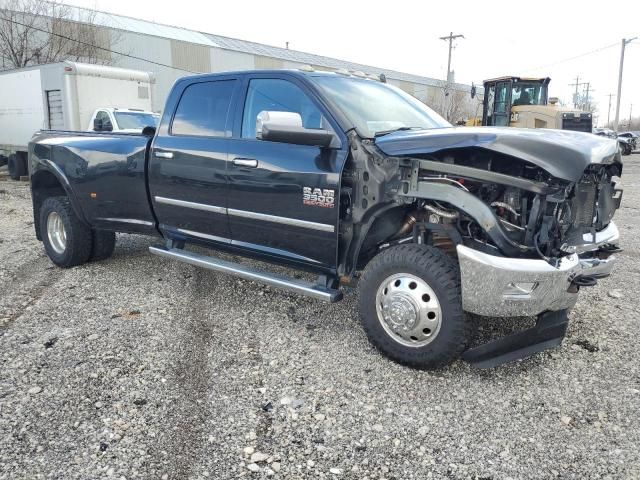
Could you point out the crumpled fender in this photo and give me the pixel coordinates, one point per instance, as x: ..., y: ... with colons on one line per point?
x: 564, y: 154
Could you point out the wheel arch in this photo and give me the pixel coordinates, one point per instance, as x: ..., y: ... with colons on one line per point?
x: 48, y: 182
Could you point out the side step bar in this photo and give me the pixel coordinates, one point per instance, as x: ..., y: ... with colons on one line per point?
x: 317, y: 291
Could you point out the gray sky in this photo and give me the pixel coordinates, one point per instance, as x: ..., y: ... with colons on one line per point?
x: 502, y: 37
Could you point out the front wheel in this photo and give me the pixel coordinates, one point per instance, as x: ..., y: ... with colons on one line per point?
x: 411, y: 307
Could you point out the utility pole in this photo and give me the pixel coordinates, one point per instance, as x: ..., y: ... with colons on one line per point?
x: 450, y: 38
x: 624, y: 44
x: 587, y: 105
x: 576, y: 96
x: 609, y: 111
x: 630, y: 112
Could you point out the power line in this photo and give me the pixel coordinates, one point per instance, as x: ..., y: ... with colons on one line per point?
x: 571, y: 58
x: 87, y: 44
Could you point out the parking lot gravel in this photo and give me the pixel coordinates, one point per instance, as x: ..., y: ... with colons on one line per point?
x: 139, y: 368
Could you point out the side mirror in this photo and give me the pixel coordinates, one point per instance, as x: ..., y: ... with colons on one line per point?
x: 286, y: 127
x: 97, y: 124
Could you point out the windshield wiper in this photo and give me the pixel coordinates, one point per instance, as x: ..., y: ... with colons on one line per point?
x: 399, y: 129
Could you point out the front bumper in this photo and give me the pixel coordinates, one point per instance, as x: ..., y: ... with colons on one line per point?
x: 511, y: 287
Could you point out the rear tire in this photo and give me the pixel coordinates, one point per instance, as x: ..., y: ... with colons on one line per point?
x: 103, y: 245
x: 411, y: 306
x: 15, y: 165
x: 66, y: 239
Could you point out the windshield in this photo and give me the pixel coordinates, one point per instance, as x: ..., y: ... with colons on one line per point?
x: 136, y: 120
x: 375, y: 108
x: 529, y: 94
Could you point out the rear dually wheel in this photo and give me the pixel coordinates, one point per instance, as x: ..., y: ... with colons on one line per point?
x: 67, y: 240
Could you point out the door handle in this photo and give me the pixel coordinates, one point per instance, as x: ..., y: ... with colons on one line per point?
x: 163, y: 154
x: 245, y: 162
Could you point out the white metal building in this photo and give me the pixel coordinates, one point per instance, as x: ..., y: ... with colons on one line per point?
x: 185, y: 51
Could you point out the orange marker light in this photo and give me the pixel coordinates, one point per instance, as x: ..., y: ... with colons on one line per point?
x: 93, y: 194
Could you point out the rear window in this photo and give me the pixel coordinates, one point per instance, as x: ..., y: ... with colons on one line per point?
x: 203, y: 109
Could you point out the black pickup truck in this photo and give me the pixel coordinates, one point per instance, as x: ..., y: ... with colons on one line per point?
x: 354, y: 180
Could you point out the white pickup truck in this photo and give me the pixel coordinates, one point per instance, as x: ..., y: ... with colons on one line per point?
x: 123, y: 120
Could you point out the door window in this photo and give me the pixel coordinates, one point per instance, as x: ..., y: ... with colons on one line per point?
x: 203, y: 109
x: 276, y: 95
x: 104, y: 119
x: 501, y: 98
x: 491, y: 95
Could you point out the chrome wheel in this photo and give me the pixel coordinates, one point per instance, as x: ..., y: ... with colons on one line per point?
x: 56, y: 233
x: 408, y: 309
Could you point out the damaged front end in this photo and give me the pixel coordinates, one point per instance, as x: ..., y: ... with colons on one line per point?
x: 527, y: 240
x: 527, y: 214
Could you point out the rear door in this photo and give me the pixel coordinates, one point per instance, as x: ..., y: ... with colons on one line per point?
x: 55, y: 119
x: 187, y: 166
x: 283, y: 198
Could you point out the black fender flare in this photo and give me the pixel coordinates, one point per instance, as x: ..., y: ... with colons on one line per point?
x: 47, y: 166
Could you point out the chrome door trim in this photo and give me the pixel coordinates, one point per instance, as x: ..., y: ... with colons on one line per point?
x: 295, y: 222
x: 323, y: 227
x: 168, y: 155
x: 197, y: 206
x: 204, y: 235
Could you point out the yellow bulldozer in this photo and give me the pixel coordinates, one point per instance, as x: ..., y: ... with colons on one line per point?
x: 523, y: 102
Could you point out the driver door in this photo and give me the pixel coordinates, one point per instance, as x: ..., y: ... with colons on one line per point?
x: 283, y: 198
x: 502, y: 105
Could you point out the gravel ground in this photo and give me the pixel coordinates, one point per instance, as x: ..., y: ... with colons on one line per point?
x: 140, y: 368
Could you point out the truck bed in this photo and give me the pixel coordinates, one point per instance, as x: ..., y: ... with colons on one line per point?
x: 105, y: 175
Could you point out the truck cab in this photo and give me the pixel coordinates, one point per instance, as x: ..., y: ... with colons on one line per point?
x: 125, y: 120
x: 524, y: 102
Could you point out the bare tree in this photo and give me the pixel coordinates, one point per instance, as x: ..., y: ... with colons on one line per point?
x: 34, y: 32
x: 454, y: 105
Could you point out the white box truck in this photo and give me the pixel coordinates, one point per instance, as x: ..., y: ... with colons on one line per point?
x: 67, y: 96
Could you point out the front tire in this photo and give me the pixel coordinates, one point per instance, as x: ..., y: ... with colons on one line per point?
x: 67, y: 240
x: 411, y: 306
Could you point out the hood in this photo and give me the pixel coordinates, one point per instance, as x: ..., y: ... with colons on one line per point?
x: 564, y: 154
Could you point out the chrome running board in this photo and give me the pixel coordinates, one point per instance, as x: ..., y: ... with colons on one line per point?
x: 317, y: 291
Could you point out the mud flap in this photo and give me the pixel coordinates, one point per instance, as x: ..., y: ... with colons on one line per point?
x: 548, y: 332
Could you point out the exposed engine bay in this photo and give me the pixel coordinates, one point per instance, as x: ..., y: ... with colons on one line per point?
x: 483, y: 199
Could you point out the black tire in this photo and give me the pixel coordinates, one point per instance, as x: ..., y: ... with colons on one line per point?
x: 14, y: 167
x: 441, y: 273
x: 78, y: 235
x: 103, y: 245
